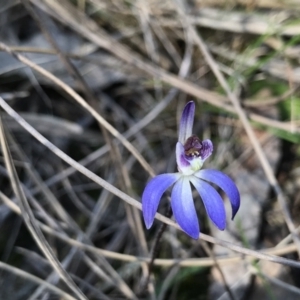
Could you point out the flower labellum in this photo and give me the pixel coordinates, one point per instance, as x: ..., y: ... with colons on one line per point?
x: 191, y: 153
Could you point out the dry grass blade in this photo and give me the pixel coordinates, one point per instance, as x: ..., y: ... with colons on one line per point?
x: 85, y: 105
x: 129, y: 133
x: 240, y: 22
x: 85, y: 81
x: 129, y: 199
x: 112, y: 277
x: 36, y: 280
x: 276, y: 281
x: 30, y: 221
x: 121, y: 285
x: 191, y: 262
x: 249, y: 130
x: 64, y: 12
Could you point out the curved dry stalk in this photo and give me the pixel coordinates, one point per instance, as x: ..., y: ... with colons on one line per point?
x: 112, y: 274
x: 114, y: 278
x: 84, y: 104
x: 37, y: 280
x: 189, y: 262
x: 249, y: 130
x: 30, y: 220
x: 129, y: 133
x: 270, y: 101
x: 65, y: 13
x: 275, y: 281
x: 237, y: 22
x: 131, y: 200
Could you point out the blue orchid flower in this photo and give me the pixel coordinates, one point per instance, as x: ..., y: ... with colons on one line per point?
x: 190, y: 156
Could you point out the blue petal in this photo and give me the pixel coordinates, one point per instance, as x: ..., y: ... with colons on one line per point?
x: 225, y: 183
x: 186, y: 122
x: 212, y: 201
x: 153, y: 193
x: 183, y: 207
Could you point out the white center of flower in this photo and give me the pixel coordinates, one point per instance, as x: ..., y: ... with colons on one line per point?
x: 196, y: 164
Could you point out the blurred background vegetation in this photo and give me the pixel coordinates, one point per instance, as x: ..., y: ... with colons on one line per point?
x: 137, y: 63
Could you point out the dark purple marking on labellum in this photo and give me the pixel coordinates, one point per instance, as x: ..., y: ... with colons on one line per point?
x: 192, y: 147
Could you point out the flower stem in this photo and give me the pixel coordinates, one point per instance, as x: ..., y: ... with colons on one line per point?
x: 155, y: 250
